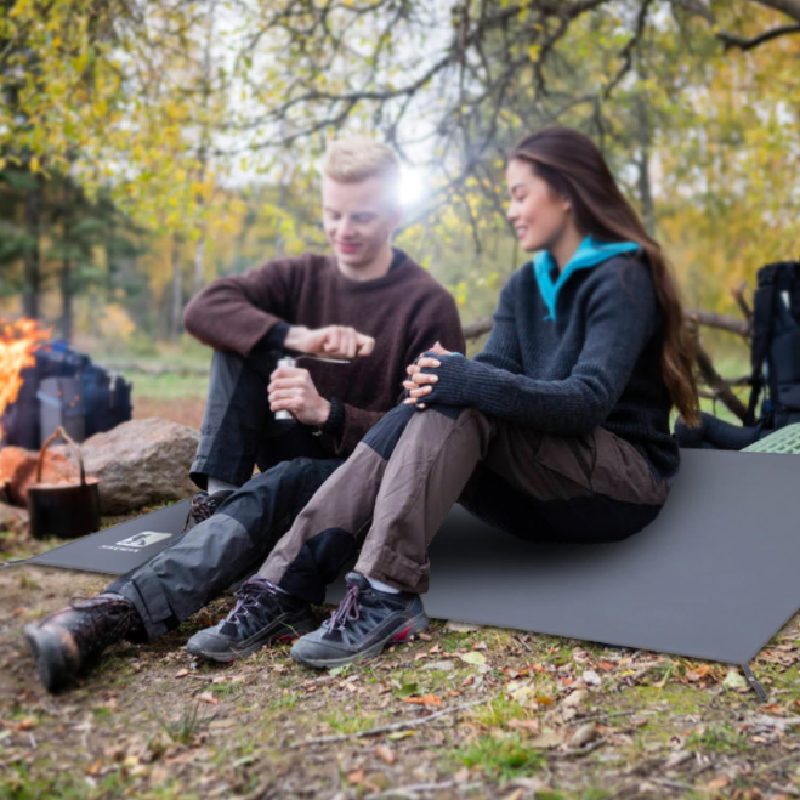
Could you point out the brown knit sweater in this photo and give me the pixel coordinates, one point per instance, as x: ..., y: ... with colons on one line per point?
x: 406, y: 311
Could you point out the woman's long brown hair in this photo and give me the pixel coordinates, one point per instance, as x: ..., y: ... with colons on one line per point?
x: 573, y: 167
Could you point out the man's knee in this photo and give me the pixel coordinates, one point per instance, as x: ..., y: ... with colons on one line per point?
x: 291, y: 478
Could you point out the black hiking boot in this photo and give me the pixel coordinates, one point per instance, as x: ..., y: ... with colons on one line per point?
x: 204, y: 505
x: 263, y: 614
x: 66, y: 642
x: 366, y: 621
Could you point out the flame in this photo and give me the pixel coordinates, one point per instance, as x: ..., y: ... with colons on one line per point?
x: 18, y: 342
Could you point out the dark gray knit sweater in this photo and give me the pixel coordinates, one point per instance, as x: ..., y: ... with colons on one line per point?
x: 597, y: 364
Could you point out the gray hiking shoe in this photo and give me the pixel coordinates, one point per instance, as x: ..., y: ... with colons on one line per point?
x: 263, y: 614
x: 365, y: 622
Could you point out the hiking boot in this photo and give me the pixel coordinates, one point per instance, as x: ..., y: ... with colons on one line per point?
x: 263, y: 614
x: 204, y: 505
x: 64, y: 643
x: 366, y: 621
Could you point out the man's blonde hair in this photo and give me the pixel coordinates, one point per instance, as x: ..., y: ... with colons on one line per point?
x: 356, y: 158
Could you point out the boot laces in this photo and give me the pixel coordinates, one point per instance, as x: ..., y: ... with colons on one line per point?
x: 101, y: 620
x: 348, y: 609
x: 253, y: 595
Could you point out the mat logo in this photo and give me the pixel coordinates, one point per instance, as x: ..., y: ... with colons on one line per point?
x: 143, y: 539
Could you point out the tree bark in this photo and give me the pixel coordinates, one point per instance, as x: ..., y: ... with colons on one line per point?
x: 32, y: 261
x: 176, y: 318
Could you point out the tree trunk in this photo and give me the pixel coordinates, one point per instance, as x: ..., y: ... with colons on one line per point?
x: 33, y: 276
x: 177, y: 289
x: 203, y: 154
x: 645, y: 186
x: 66, y: 301
x: 66, y: 266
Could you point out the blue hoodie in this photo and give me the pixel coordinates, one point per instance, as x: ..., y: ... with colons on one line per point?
x: 590, y: 253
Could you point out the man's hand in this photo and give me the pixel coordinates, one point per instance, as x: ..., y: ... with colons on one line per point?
x: 291, y: 389
x: 336, y: 341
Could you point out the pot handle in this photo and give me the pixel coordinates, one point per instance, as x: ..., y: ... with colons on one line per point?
x: 60, y: 433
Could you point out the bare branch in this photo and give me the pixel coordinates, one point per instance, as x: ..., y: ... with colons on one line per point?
x: 731, y: 41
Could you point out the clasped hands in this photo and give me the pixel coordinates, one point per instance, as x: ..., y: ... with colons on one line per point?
x: 291, y: 388
x: 419, y: 384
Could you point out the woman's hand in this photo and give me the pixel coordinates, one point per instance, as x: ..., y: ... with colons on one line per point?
x: 419, y: 384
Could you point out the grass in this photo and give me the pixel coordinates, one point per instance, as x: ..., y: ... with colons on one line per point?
x: 501, y: 757
x: 717, y: 738
x: 186, y: 727
x: 498, y: 712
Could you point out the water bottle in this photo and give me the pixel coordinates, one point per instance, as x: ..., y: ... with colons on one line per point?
x: 286, y: 361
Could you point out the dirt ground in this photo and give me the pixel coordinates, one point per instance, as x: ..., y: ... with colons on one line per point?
x: 476, y: 713
x: 188, y: 411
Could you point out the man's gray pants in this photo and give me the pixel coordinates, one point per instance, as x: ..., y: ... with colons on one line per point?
x: 238, y: 432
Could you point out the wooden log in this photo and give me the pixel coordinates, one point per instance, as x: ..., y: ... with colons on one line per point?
x: 473, y: 330
x: 722, y: 322
x: 718, y: 383
x: 744, y: 306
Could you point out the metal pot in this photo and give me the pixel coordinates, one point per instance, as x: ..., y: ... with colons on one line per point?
x: 64, y: 511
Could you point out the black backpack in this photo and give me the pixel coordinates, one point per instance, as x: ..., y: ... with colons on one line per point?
x: 775, y: 349
x: 775, y: 364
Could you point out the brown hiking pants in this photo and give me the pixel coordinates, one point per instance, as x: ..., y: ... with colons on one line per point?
x: 397, y: 487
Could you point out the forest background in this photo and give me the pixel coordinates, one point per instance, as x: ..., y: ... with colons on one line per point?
x: 148, y: 147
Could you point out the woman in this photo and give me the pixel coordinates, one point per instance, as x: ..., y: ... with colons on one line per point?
x: 559, y: 429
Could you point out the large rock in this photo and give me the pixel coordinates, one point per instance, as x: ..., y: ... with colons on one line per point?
x: 141, y: 462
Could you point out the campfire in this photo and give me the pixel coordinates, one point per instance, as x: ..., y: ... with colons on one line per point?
x: 18, y: 342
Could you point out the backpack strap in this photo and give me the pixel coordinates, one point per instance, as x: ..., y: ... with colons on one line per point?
x: 763, y: 303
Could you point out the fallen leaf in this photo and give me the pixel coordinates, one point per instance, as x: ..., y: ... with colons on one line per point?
x: 734, y: 680
x: 520, y: 691
x: 442, y: 666
x: 356, y: 776
x: 591, y: 678
x: 207, y: 697
x: 529, y: 725
x: 474, y: 658
x: 461, y: 627
x: 547, y: 738
x: 181, y: 673
x: 94, y: 768
x: 385, y: 754
x: 395, y: 736
x: 575, y: 699
x: 582, y: 735
x: 424, y: 700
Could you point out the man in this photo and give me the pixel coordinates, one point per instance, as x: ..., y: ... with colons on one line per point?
x: 367, y: 305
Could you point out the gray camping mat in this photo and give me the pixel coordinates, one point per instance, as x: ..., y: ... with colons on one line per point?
x: 714, y: 577
x: 121, y: 547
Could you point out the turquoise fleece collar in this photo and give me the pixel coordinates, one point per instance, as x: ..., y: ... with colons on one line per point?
x: 590, y: 253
